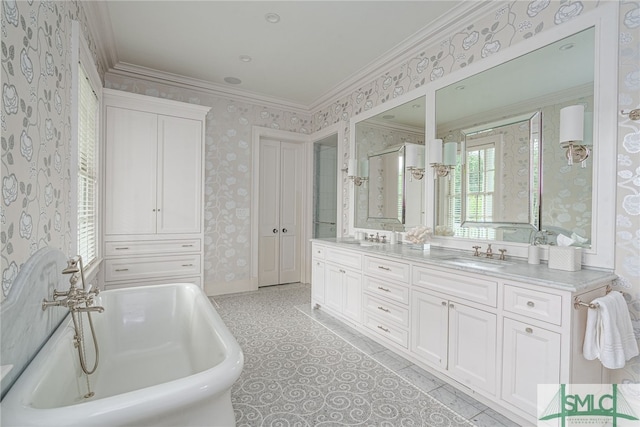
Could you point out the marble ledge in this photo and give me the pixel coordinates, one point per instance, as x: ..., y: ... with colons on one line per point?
x: 513, y: 268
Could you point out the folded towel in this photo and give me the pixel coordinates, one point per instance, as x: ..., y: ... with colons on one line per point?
x: 609, y: 333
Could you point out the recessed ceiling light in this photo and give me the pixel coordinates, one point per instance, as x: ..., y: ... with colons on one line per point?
x: 388, y: 116
x: 232, y: 80
x: 566, y: 46
x: 272, y: 18
x: 245, y: 58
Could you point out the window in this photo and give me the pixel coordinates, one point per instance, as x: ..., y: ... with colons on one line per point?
x: 85, y: 150
x: 88, y: 107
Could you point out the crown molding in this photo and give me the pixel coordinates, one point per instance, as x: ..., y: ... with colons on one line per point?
x: 129, y: 70
x: 99, y: 25
x: 459, y: 16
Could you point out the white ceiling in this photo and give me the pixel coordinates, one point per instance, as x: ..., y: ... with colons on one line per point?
x: 316, y: 47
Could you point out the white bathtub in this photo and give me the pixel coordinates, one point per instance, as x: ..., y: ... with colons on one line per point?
x: 166, y: 359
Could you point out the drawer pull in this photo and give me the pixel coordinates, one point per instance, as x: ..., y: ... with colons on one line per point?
x: 122, y: 249
x: 384, y: 309
x: 381, y: 267
x: 383, y: 289
x: 529, y: 330
x: 342, y: 271
x: 384, y: 329
x: 530, y: 304
x: 187, y: 265
x: 187, y: 246
x: 122, y: 269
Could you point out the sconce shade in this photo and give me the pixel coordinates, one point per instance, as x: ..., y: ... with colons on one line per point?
x: 414, y: 156
x: 572, y: 123
x: 588, y: 129
x: 352, y: 168
x: 450, y: 153
x: 364, y: 168
x: 435, y: 151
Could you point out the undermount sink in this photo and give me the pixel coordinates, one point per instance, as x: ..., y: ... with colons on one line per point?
x: 476, y: 262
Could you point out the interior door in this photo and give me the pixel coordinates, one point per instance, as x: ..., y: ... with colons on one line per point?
x: 281, y: 201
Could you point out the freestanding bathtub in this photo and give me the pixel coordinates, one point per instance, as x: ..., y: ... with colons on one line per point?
x: 166, y: 359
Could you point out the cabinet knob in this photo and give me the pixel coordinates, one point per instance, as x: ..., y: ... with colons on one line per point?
x: 444, y: 303
x: 275, y: 231
x: 530, y: 304
x: 529, y: 330
x: 451, y: 305
x: 284, y: 230
x: 342, y: 271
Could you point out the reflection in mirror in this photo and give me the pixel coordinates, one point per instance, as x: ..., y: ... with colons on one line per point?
x: 390, y: 200
x: 485, y: 111
x: 386, y: 186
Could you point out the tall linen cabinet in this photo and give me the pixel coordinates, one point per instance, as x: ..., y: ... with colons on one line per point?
x: 153, y: 191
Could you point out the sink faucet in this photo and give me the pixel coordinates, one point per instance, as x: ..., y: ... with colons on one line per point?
x: 489, y: 252
x: 476, y: 250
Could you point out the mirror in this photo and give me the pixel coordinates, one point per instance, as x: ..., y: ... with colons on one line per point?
x: 508, y: 120
x: 386, y: 186
x: 391, y: 198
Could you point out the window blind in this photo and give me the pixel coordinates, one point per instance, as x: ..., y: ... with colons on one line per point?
x: 87, y: 170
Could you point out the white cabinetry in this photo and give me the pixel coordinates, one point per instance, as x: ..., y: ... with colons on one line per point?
x: 153, y: 190
x: 337, y: 282
x: 454, y: 332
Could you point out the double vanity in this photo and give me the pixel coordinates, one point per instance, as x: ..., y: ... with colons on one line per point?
x: 492, y: 328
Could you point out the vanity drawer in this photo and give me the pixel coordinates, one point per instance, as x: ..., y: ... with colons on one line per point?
x: 534, y: 304
x: 151, y: 267
x: 467, y: 287
x: 344, y: 258
x: 151, y: 247
x: 387, y: 311
x: 392, y: 291
x: 386, y: 330
x: 318, y: 252
x: 386, y: 268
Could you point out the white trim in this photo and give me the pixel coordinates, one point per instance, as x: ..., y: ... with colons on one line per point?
x: 258, y: 133
x: 605, y: 20
x: 99, y: 25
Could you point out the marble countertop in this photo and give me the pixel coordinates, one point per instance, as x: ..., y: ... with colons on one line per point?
x: 512, y: 268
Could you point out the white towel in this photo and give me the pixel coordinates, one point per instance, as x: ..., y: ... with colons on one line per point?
x: 609, y: 333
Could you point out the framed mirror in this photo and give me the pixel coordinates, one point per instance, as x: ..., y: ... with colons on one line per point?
x: 389, y: 198
x: 572, y: 64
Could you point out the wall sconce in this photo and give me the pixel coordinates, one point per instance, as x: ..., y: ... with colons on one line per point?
x: 414, y: 160
x: 572, y: 134
x: 352, y: 172
x: 443, y: 166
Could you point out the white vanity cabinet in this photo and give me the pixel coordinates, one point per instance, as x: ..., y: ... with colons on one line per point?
x: 337, y: 282
x: 492, y: 334
x: 153, y: 191
x: 454, y: 325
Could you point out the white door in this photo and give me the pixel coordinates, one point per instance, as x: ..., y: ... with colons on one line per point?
x: 333, y: 289
x: 430, y: 328
x: 131, y: 155
x: 352, y: 284
x: 281, y: 201
x: 317, y: 282
x: 472, y: 346
x: 179, y: 175
x: 528, y: 359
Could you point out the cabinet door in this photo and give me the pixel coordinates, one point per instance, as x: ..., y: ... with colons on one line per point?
x: 430, y: 328
x: 333, y: 293
x: 317, y: 282
x: 472, y: 346
x: 179, y: 175
x: 352, y: 283
x: 130, y: 173
x: 530, y: 357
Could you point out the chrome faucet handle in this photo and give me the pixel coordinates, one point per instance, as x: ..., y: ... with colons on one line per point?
x: 477, y: 250
x: 502, y: 256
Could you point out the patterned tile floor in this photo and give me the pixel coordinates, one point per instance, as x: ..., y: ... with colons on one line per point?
x: 305, y: 368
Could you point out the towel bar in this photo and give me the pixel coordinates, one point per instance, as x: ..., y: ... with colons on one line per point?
x: 577, y: 302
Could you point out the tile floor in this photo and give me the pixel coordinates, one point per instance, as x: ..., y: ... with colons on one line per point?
x: 463, y: 404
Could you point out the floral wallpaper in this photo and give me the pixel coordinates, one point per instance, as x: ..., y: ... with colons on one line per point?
x: 36, y: 123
